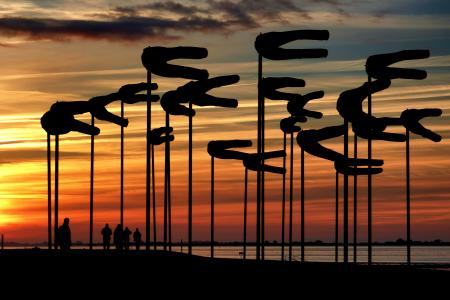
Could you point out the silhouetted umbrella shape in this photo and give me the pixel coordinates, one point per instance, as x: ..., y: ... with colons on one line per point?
x: 155, y: 60
x: 57, y: 121
x: 377, y: 66
x: 268, y: 45
x: 411, y: 120
x: 221, y: 150
x: 309, y: 141
x: 195, y: 92
x: 156, y: 137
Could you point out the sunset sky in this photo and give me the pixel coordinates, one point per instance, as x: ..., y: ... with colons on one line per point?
x: 74, y: 50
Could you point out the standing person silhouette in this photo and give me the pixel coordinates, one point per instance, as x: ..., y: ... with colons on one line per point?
x: 126, y: 238
x: 118, y: 237
x: 137, y: 238
x: 64, y: 235
x: 106, y: 233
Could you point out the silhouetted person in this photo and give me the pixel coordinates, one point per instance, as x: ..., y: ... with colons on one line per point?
x: 118, y: 237
x: 106, y: 233
x: 137, y: 238
x: 269, y: 44
x: 64, y: 235
x: 126, y: 238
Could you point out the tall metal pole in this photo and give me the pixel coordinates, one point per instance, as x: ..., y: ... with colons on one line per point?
x: 56, y: 189
x: 190, y: 185
x: 49, y: 190
x: 147, y: 163
x: 166, y: 170
x: 369, y: 184
x: 258, y: 172
x: 245, y: 213
x: 302, y: 226
x: 283, y: 200
x: 263, y: 215
x: 346, y: 196
x: 91, y: 194
x: 154, y: 198
x: 212, y: 206
x: 169, y: 196
x: 408, y: 202
x: 336, y: 225
x: 355, y: 203
x: 121, y: 163
x: 291, y: 192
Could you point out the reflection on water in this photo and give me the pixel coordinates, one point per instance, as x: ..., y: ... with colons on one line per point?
x: 380, y: 254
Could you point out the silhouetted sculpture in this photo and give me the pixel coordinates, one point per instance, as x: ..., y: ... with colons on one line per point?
x: 155, y: 59
x: 350, y: 107
x: 159, y: 135
x: 270, y: 86
x: 254, y: 162
x: 126, y: 238
x: 129, y: 93
x: 309, y: 140
x: 268, y: 44
x: 106, y: 233
x: 60, y: 118
x: 377, y: 66
x: 118, y: 237
x: 137, y: 238
x: 411, y: 120
x: 64, y: 235
x: 221, y: 149
x: 196, y: 93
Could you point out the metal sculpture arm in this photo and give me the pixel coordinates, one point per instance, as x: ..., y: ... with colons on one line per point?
x: 269, y: 44
x: 270, y: 86
x: 309, y: 140
x: 129, y: 93
x: 350, y: 107
x: 296, y: 106
x: 288, y: 125
x: 377, y: 66
x: 170, y: 102
x: 157, y: 136
x: 98, y: 109
x: 221, y: 149
x: 254, y: 162
x: 196, y: 91
x: 411, y: 120
x: 60, y: 118
x: 155, y: 60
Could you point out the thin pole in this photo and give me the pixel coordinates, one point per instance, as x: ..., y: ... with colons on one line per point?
x: 212, y: 206
x: 169, y: 196
x: 147, y: 164
x: 166, y: 169
x: 190, y: 185
x: 263, y: 215
x: 408, y: 202
x: 346, y: 196
x: 56, y: 188
x: 49, y: 190
x: 302, y: 174
x: 91, y: 194
x: 154, y: 197
x: 258, y: 172
x: 121, y: 163
x: 355, y: 204
x: 336, y: 226
x: 369, y: 184
x: 245, y: 213
x: 283, y: 200
x: 291, y: 192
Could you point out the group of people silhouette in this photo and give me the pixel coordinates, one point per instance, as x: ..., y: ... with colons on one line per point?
x: 121, y: 237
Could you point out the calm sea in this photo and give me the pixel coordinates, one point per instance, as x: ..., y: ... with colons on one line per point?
x: 380, y: 254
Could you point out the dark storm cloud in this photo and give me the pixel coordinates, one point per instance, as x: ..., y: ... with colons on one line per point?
x: 131, y: 23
